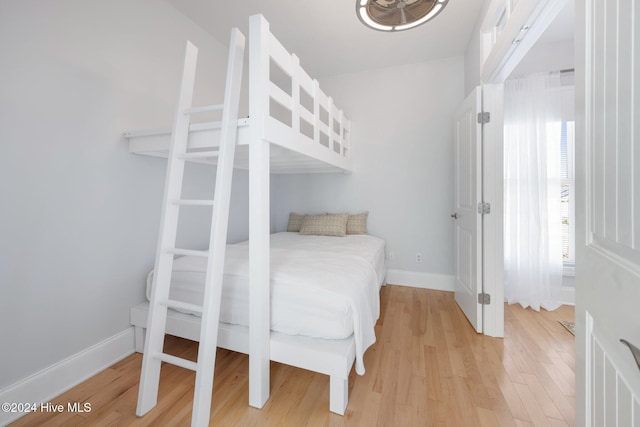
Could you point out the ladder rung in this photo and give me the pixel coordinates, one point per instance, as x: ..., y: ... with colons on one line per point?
x: 193, y: 308
x: 199, y: 154
x: 193, y: 202
x: 204, y: 109
x: 178, y: 361
x: 188, y: 252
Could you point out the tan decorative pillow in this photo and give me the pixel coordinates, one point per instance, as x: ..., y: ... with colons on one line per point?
x: 357, y: 224
x: 325, y: 225
x: 295, y: 222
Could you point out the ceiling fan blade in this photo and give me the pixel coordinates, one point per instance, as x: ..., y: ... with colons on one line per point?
x: 412, y: 15
x: 386, y: 13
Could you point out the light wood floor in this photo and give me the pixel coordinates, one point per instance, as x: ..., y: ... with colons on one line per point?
x: 428, y: 368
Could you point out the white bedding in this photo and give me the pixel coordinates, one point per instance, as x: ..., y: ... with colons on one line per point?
x: 322, y: 287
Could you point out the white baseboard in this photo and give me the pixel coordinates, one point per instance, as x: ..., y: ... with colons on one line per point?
x: 54, y: 380
x: 415, y: 279
x: 568, y: 295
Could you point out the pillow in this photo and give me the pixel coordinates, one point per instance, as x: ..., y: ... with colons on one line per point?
x: 357, y: 224
x: 325, y: 225
x: 295, y: 222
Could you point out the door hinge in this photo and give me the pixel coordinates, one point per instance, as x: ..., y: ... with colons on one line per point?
x: 484, y: 208
x: 484, y: 299
x: 484, y: 117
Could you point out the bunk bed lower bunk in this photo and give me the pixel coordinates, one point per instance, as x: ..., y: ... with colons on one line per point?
x: 324, y: 303
x: 293, y: 127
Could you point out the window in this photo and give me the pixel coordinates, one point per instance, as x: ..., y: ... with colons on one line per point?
x: 567, y: 200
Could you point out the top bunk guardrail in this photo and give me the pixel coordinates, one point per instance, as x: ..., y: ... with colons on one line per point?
x: 307, y: 131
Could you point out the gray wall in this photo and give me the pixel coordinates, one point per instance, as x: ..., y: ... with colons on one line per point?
x: 472, y: 57
x: 472, y: 63
x: 547, y: 57
x: 402, y: 136
x: 80, y: 215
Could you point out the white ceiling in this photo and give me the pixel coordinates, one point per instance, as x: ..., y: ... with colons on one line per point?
x: 328, y: 37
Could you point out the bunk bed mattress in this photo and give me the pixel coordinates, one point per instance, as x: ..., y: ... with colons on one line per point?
x: 303, y: 301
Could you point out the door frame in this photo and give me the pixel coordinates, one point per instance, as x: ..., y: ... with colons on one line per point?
x: 492, y: 224
x: 500, y: 53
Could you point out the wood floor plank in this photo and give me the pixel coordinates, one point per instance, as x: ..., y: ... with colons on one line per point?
x: 561, y: 376
x: 541, y: 396
x: 427, y: 368
x: 487, y: 418
x: 533, y: 407
x: 562, y: 402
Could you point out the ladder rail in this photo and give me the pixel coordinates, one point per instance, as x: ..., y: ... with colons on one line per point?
x: 160, y: 301
x: 154, y: 341
x: 218, y: 234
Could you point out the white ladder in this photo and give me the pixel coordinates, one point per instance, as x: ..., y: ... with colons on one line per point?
x: 160, y: 302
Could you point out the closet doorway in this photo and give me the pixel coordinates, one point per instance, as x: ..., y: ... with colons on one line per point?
x: 539, y: 173
x: 501, y: 60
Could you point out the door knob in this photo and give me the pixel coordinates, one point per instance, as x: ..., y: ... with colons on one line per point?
x: 635, y: 351
x: 454, y: 215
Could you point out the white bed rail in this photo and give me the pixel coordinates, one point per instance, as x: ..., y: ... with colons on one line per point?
x: 297, y: 114
x: 308, y: 132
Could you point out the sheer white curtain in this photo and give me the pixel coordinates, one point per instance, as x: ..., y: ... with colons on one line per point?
x: 533, y: 246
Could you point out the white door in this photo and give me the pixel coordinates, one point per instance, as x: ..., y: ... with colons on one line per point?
x: 466, y: 219
x: 608, y: 211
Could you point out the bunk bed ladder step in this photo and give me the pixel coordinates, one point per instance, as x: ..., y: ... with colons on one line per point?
x: 177, y: 361
x: 179, y: 305
x: 186, y: 202
x: 204, y: 109
x: 199, y: 155
x: 160, y: 302
x: 187, y: 252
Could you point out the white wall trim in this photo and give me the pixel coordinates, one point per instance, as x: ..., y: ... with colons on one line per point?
x: 60, y: 377
x: 568, y: 295
x: 416, y: 279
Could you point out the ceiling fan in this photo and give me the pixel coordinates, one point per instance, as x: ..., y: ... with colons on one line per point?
x: 397, y: 15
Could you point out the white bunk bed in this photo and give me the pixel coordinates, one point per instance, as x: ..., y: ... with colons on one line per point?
x: 311, y: 136
x: 306, y: 131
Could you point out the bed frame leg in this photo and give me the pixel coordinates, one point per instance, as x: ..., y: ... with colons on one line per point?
x: 138, y: 338
x: 338, y: 394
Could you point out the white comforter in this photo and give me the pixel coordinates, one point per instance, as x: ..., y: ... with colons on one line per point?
x: 342, y: 278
